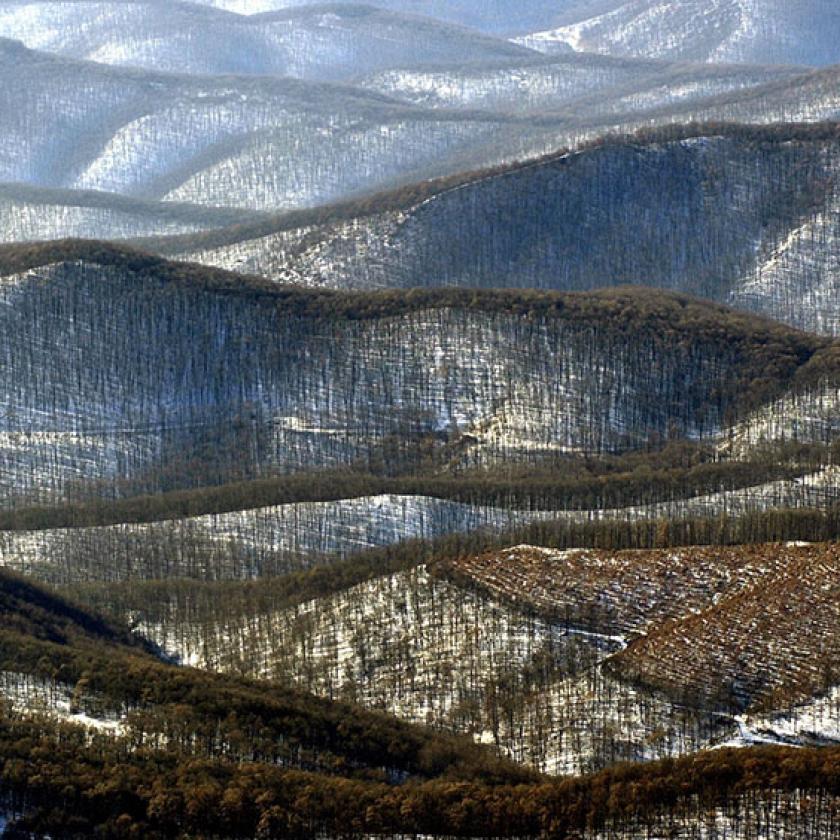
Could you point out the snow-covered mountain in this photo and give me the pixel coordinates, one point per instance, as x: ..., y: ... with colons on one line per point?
x: 30, y: 213
x: 503, y: 17
x: 271, y: 144
x: 758, y: 31
x: 257, y: 143
x: 575, y: 83
x: 320, y: 42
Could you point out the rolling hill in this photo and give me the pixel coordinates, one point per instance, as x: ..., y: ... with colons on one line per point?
x: 125, y: 369
x: 30, y: 213
x: 747, y: 217
x: 575, y: 84
x: 568, y: 661
x: 319, y: 42
x: 263, y: 144
x: 420, y: 419
x: 503, y: 17
x: 215, y: 141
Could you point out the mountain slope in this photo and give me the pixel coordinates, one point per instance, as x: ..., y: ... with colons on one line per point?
x: 52, y: 648
x: 567, y: 660
x: 125, y: 742
x: 733, y: 643
x: 126, y: 369
x: 747, y: 217
x: 577, y: 83
x: 320, y: 42
x: 757, y: 31
x: 226, y: 141
x: 30, y: 213
x: 217, y: 141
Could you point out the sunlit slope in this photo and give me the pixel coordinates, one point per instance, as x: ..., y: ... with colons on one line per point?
x: 247, y: 142
x: 750, y: 218
x: 763, y: 31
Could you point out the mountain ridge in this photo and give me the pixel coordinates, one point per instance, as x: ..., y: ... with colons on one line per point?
x: 765, y: 198
x: 252, y: 412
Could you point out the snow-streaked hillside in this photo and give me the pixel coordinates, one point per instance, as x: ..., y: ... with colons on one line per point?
x: 757, y: 31
x: 809, y: 416
x: 748, y: 220
x: 548, y: 688
x: 275, y: 144
x: 321, y: 42
x: 271, y: 541
x: 253, y: 143
x: 432, y: 653
x: 124, y: 369
x: 496, y: 16
x: 581, y: 83
x: 246, y: 544
x: 29, y: 695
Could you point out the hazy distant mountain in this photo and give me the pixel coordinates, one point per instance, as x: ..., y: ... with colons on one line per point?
x: 270, y: 144
x: 577, y: 83
x: 325, y: 42
x: 504, y: 17
x: 255, y: 143
x: 31, y: 213
x: 760, y: 31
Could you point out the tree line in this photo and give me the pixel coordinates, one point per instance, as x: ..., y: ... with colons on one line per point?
x: 62, y: 786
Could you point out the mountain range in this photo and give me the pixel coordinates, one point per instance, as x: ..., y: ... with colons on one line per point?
x: 419, y: 419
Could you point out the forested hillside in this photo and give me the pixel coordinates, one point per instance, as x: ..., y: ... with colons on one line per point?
x: 251, y: 378
x: 419, y: 419
x: 502, y: 17
x: 30, y: 213
x: 571, y: 83
x: 747, y: 217
x: 218, y: 140
x: 566, y: 660
x: 185, y: 750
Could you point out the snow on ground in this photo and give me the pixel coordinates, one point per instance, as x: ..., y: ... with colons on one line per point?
x: 244, y: 544
x: 797, y: 279
x: 274, y: 540
x: 27, y: 694
x: 817, y: 720
x: 762, y: 816
x: 429, y: 652
x: 811, y: 416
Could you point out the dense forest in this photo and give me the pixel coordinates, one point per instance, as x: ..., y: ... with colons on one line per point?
x: 679, y: 209
x: 191, y: 783
x: 260, y: 379
x: 594, y: 671
x: 146, y: 796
